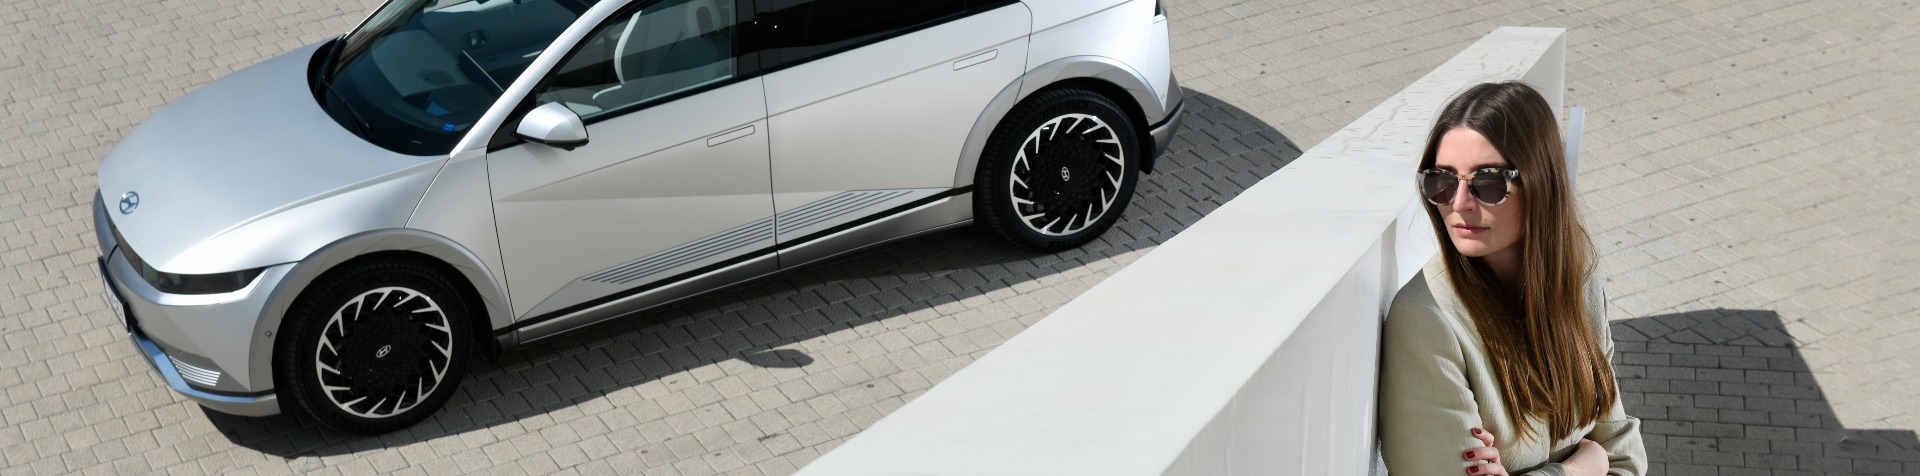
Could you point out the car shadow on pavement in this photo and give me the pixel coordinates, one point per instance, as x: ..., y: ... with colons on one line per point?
x: 761, y: 328
x: 1726, y: 391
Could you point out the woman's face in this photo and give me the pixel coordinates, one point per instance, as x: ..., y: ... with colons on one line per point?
x: 1479, y: 230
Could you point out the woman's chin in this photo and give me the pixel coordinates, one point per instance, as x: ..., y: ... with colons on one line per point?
x: 1470, y: 248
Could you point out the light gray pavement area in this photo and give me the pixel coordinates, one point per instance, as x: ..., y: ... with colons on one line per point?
x: 1749, y: 177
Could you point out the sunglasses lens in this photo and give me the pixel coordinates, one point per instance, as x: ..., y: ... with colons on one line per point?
x: 1488, y: 187
x: 1438, y: 187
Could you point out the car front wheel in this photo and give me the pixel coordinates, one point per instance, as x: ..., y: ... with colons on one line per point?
x: 375, y: 346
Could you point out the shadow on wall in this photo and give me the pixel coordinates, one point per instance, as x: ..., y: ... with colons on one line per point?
x: 1726, y: 391
x: 750, y: 331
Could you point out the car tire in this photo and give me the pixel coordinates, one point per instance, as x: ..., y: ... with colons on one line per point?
x: 1058, y: 171
x: 374, y: 346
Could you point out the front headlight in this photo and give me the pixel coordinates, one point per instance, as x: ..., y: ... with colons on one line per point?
x: 217, y: 283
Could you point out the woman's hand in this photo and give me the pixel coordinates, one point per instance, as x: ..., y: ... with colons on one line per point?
x: 1588, y: 458
x: 1487, y: 460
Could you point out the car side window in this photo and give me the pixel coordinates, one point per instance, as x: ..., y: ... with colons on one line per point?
x: 667, y: 47
x: 799, y: 30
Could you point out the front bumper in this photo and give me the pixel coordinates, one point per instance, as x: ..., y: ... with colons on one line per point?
x: 255, y: 404
x: 199, y: 344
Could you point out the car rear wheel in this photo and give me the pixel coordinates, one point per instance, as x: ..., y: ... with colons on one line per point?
x: 375, y: 346
x: 1058, y: 171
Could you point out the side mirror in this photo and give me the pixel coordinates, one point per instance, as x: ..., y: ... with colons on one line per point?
x: 554, y: 125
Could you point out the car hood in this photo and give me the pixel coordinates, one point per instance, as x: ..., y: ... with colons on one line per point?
x: 248, y: 171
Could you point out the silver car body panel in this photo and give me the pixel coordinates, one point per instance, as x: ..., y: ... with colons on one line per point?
x: 647, y: 183
x: 458, y: 209
x: 295, y: 231
x: 1111, y: 44
x: 211, y: 336
x: 837, y: 122
x: 1052, y: 13
x: 844, y: 207
x: 932, y: 214
x: 945, y: 211
x: 667, y: 292
x: 264, y: 404
x: 1160, y: 62
x: 724, y: 243
x: 796, y: 166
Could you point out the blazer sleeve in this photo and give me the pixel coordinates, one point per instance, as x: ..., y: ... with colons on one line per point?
x: 1617, y: 432
x: 1426, y: 408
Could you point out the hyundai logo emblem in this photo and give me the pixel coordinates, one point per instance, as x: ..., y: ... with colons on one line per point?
x: 128, y: 202
x: 383, y: 351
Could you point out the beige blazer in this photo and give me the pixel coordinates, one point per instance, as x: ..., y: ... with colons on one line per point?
x: 1436, y: 384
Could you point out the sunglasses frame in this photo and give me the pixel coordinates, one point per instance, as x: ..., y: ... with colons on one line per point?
x: 1511, y: 175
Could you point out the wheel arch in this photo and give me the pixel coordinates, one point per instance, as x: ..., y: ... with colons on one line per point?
x: 478, y: 284
x: 1106, y: 76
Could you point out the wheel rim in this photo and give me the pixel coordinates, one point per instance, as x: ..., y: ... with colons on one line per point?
x: 384, y: 352
x: 1066, y: 175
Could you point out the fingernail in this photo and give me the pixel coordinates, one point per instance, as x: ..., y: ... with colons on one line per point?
x: 1474, y: 470
x: 1468, y: 454
x: 1477, y: 431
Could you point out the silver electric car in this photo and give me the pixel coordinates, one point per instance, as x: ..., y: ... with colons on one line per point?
x: 334, y: 231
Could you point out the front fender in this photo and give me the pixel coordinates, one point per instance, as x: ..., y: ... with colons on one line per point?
x: 483, y: 279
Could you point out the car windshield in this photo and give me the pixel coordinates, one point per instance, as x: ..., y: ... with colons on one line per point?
x: 418, y: 73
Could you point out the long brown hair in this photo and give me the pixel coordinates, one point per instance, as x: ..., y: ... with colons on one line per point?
x: 1542, y: 348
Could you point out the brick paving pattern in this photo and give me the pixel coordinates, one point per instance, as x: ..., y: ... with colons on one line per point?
x: 1746, y: 176
x: 1725, y: 391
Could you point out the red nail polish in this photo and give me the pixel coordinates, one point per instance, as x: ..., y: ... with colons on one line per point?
x: 1474, y: 470
x: 1468, y: 454
x: 1477, y: 431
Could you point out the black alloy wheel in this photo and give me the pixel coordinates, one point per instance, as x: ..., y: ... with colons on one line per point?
x: 1058, y: 171
x: 375, y: 346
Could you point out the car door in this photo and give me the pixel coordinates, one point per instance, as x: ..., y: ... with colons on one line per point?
x: 871, y: 101
x: 674, y: 177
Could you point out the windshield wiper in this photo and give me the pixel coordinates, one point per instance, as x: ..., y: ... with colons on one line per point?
x: 360, y: 123
x: 323, y: 78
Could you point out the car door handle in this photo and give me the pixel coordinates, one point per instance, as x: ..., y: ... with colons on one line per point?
x: 727, y: 136
x: 976, y: 59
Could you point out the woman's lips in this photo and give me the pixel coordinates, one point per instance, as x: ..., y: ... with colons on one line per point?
x: 1469, y: 231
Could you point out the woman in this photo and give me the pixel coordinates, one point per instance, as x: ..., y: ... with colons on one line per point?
x: 1495, y: 357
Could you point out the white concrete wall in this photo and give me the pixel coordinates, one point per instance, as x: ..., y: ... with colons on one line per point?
x: 1248, y: 344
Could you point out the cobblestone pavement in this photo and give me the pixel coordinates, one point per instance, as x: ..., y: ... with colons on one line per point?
x: 1747, y: 177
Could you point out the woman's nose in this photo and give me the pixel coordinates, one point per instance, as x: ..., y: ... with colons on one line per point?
x: 1463, y: 200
